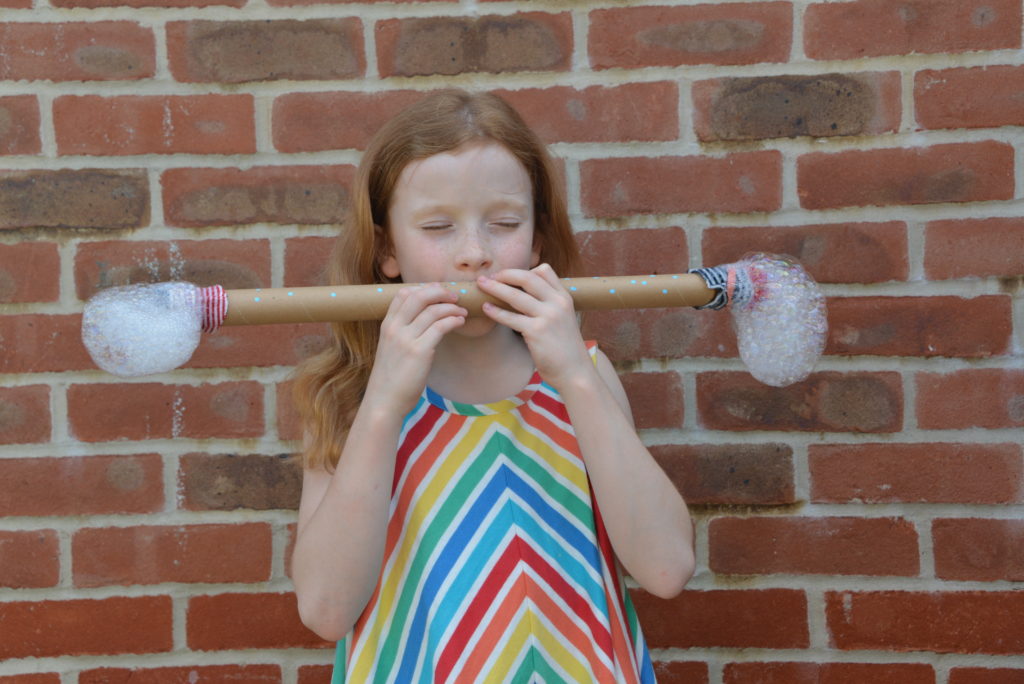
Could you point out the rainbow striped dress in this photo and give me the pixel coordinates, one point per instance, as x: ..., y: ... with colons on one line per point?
x: 497, y: 566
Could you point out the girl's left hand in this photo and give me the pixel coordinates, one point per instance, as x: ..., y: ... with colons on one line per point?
x: 544, y: 315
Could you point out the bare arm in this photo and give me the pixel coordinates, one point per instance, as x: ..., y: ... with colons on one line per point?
x: 343, y: 517
x: 646, y: 517
x: 342, y: 527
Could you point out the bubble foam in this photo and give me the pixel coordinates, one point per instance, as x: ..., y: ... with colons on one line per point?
x: 142, y: 329
x: 781, y: 325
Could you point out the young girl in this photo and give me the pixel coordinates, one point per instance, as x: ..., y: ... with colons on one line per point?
x: 474, y: 490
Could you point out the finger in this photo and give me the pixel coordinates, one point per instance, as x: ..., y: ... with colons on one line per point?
x: 434, y: 313
x: 517, y: 321
x: 519, y: 299
x: 439, y: 328
x: 410, y: 301
x: 548, y: 274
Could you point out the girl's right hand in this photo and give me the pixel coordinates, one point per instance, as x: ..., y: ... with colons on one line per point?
x: 417, y: 319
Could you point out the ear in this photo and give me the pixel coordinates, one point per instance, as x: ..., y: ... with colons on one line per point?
x: 387, y: 262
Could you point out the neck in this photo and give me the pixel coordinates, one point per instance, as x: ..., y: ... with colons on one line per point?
x: 481, y: 369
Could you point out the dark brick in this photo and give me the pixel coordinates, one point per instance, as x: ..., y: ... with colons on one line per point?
x: 831, y: 253
x: 279, y: 194
x: 74, y: 198
x: 730, y: 474
x: 529, y: 41
x: 225, y: 481
x: 240, y: 51
x: 824, y: 402
x: 789, y: 106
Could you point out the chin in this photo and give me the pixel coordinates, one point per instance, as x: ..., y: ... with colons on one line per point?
x: 475, y: 327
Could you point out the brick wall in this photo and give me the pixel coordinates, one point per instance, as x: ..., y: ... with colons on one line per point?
x: 862, y: 526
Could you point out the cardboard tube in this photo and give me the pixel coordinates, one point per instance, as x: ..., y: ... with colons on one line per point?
x: 370, y: 302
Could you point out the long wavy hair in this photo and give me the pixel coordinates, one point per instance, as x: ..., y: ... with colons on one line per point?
x: 329, y: 386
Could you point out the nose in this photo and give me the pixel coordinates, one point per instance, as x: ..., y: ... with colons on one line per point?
x: 474, y: 254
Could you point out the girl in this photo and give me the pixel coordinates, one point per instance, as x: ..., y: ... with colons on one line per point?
x: 474, y: 487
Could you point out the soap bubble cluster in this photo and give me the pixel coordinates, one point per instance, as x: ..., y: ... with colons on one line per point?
x: 142, y: 329
x: 781, y: 322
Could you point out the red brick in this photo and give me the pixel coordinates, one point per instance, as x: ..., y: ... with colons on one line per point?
x: 632, y: 334
x: 985, y: 397
x: 223, y: 482
x: 955, y: 172
x: 982, y: 675
x: 315, y: 674
x: 824, y: 402
x: 154, y: 124
x: 226, y: 621
x: 95, y: 199
x: 633, y: 111
x: 819, y: 106
x: 822, y: 546
x: 156, y: 411
x: 19, y: 124
x: 202, y: 197
x: 241, y: 51
x: 311, y: 122
x: 831, y: 253
x: 974, y: 248
x: 526, y: 41
x: 156, y: 554
x: 146, y: 3
x: 29, y: 272
x: 754, y: 618
x: 77, y: 51
x: 869, y: 28
x: 729, y: 474
x: 234, y: 264
x: 656, y: 399
x: 29, y: 559
x: 676, y: 672
x: 942, y: 622
x: 237, y: 674
x: 16, y: 4
x: 981, y: 97
x: 24, y: 414
x: 828, y: 673
x: 86, y: 627
x: 289, y: 425
x: 39, y: 343
x: 728, y: 33
x: 916, y: 473
x: 246, y: 346
x: 738, y: 183
x: 42, y: 678
x: 638, y: 251
x: 82, y: 485
x: 920, y: 326
x: 976, y: 549
x: 306, y: 260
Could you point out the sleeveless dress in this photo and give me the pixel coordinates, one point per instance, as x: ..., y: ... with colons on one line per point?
x: 497, y: 566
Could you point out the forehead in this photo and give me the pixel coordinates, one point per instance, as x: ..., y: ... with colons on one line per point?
x: 486, y: 168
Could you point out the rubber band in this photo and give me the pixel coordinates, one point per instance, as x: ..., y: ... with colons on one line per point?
x: 214, y: 303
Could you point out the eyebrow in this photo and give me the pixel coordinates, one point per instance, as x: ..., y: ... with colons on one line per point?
x: 502, y: 205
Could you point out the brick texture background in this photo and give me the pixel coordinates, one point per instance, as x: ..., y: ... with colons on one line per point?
x: 861, y: 526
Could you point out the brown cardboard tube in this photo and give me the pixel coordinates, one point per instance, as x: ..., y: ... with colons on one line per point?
x: 370, y: 302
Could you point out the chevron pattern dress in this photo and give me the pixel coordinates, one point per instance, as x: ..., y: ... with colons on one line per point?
x: 497, y: 566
